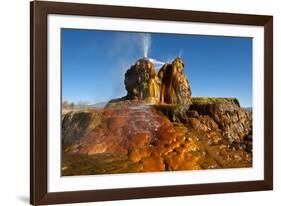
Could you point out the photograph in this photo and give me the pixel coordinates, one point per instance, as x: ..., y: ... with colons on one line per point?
x: 134, y: 102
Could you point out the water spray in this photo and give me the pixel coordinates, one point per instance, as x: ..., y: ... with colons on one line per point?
x: 156, y: 63
x: 146, y: 41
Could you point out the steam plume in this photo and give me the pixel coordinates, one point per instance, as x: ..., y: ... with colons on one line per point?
x: 157, y: 63
x: 146, y: 41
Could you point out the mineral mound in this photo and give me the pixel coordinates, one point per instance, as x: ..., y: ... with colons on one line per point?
x: 169, y: 86
x: 157, y: 126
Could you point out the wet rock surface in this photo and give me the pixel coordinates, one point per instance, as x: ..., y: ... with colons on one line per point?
x: 77, y: 124
x: 170, y: 85
x: 134, y: 137
x: 175, y: 88
x: 141, y: 82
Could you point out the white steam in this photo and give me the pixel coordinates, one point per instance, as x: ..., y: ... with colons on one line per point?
x: 156, y: 63
x: 180, y: 54
x: 146, y: 42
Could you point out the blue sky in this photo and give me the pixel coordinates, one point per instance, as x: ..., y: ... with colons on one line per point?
x: 94, y: 63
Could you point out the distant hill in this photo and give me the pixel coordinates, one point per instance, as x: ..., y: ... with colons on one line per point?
x: 250, y: 109
x: 98, y: 105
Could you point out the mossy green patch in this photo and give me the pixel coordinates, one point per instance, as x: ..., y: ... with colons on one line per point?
x: 214, y: 100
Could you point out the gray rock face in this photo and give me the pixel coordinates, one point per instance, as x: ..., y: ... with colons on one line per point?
x: 234, y: 121
x: 75, y: 125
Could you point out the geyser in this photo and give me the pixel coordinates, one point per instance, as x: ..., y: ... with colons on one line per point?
x: 146, y: 41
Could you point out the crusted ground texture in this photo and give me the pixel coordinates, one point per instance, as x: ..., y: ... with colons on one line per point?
x: 134, y: 137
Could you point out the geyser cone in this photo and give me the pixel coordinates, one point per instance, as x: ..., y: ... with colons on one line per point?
x: 141, y: 81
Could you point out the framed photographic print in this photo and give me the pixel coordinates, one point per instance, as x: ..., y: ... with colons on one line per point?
x: 133, y: 102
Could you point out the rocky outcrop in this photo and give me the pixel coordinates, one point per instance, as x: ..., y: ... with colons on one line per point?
x: 142, y: 82
x: 234, y: 122
x: 169, y: 86
x: 75, y: 125
x: 175, y: 88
